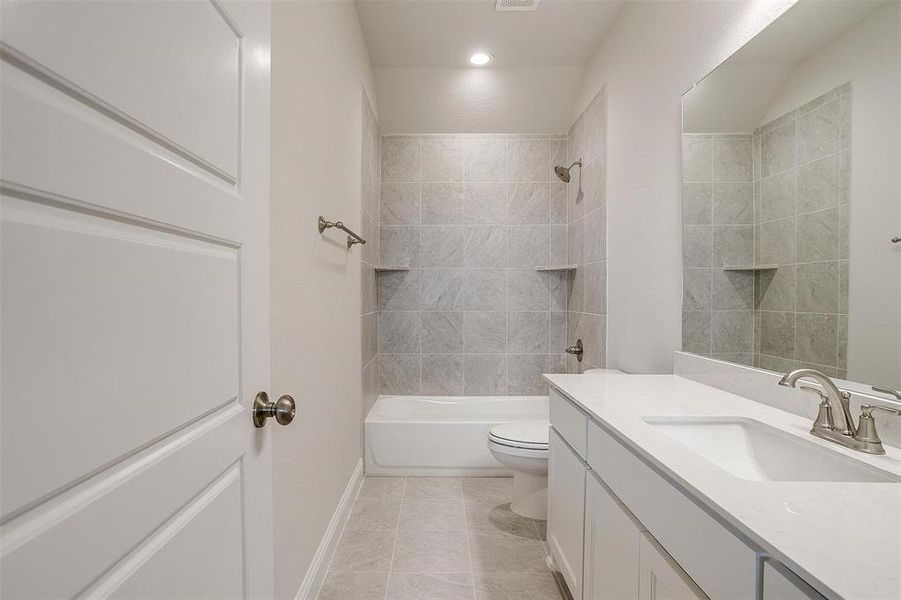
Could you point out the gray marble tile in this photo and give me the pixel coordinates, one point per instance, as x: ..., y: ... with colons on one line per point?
x: 359, y: 586
x: 399, y: 331
x: 575, y: 244
x: 818, y: 184
x: 844, y: 231
x: 363, y: 550
x: 517, y: 586
x: 732, y: 290
x: 382, y: 487
x: 442, y: 332
x: 557, y: 362
x: 733, y: 245
x: 842, y: 349
x: 732, y: 159
x: 696, y: 289
x: 442, y: 289
x: 845, y: 122
x: 490, y: 517
x: 777, y: 150
x: 527, y: 289
x: 697, y: 246
x: 399, y: 290
x: 370, y: 377
x: 575, y: 285
x: 431, y: 586
x: 442, y: 374
x: 369, y: 332
x: 370, y: 250
x: 558, y: 244
x: 593, y: 185
x: 399, y: 245
x: 435, y: 551
x: 400, y: 204
x: 485, y: 332
x: 527, y: 333
x: 432, y: 515
x: 843, y: 267
x: 528, y: 203
x: 528, y: 245
x: 844, y: 177
x: 442, y: 203
x: 777, y: 334
x: 558, y: 203
x: 594, y: 236
x: 399, y: 373
x: 733, y: 203
x: 777, y: 196
x: 818, y: 236
x: 818, y: 132
x: 527, y: 160
x: 557, y: 156
x: 697, y: 203
x: 774, y: 363
x: 556, y: 282
x: 442, y: 245
x: 818, y: 285
x: 485, y: 289
x: 485, y: 246
x: 732, y: 331
x: 776, y: 243
x: 776, y: 289
x: 368, y: 291
x: 696, y: 331
x: 557, y: 335
x: 446, y: 488
x: 492, y: 553
x: 594, y: 339
x: 442, y: 160
x: 485, y: 375
x: 374, y: 513
x: 495, y: 489
x: 816, y: 338
x: 697, y: 159
x: 400, y: 158
x: 595, y: 288
x: 485, y: 203
x: 485, y: 159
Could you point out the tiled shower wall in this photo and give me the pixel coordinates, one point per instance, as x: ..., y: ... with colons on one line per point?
x: 777, y: 197
x: 369, y: 210
x: 472, y: 216
x: 587, y: 236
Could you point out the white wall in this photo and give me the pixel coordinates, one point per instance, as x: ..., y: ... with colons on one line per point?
x: 319, y: 66
x: 652, y: 54
x: 441, y: 100
x: 867, y: 55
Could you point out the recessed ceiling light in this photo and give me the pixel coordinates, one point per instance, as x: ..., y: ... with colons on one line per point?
x: 480, y: 59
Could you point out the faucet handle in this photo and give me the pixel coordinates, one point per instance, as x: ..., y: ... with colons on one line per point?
x: 817, y: 391
x: 866, y: 428
x: 866, y: 410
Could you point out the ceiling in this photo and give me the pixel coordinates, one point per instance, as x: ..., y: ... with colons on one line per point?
x: 438, y: 33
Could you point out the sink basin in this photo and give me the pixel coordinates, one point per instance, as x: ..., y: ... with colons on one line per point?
x: 754, y: 451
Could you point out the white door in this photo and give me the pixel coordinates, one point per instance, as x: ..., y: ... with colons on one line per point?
x: 660, y: 577
x: 134, y: 290
x: 612, y: 537
x: 565, y: 511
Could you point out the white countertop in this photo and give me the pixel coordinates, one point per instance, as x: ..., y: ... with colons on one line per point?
x: 844, y: 539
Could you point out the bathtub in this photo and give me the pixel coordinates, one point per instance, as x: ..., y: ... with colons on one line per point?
x: 441, y: 435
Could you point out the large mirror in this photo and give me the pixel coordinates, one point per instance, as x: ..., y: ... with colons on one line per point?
x: 792, y: 197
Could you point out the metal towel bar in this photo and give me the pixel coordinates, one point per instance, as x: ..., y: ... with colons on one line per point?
x: 352, y: 238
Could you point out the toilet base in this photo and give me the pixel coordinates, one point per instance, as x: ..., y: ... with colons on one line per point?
x: 529, y: 495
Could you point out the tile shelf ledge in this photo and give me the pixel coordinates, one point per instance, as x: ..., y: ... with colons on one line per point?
x: 750, y: 268
x: 557, y: 268
x: 390, y: 269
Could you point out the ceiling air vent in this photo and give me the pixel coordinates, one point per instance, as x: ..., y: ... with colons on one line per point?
x: 505, y: 5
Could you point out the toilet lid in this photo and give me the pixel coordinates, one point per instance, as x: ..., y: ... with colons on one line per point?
x: 523, y: 434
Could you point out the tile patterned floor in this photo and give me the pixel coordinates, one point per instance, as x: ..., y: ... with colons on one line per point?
x: 440, y: 538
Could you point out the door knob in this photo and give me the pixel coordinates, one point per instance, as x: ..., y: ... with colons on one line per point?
x: 282, y: 409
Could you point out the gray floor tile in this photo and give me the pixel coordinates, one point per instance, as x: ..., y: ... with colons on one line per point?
x: 382, y: 487
x: 432, y: 515
x: 493, y: 553
x: 434, y: 586
x: 488, y: 488
x: 516, y: 586
x: 433, y: 487
x: 487, y: 516
x: 374, y: 513
x: 358, y: 586
x: 364, y: 550
x: 431, y: 551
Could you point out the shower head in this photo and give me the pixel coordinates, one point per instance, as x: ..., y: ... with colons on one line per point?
x: 563, y: 172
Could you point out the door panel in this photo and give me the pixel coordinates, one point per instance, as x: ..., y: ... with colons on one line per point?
x: 134, y: 175
x: 126, y: 49
x: 661, y: 578
x: 566, y: 510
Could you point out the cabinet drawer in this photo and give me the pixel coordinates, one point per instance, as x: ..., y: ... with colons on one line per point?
x: 570, y: 422
x: 721, y: 564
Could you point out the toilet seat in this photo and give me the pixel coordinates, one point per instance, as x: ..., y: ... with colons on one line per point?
x: 524, y: 435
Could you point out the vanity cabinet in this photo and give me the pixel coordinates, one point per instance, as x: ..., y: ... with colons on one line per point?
x: 660, y: 578
x: 565, y: 509
x: 779, y: 583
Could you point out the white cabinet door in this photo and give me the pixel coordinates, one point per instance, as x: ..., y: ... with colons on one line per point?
x: 660, y: 578
x: 134, y: 289
x: 779, y: 583
x: 612, y: 538
x: 566, y: 508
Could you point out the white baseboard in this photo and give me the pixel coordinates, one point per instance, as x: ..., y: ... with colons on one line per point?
x: 315, y: 577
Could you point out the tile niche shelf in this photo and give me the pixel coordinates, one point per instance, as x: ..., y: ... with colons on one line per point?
x: 390, y: 269
x: 750, y: 268
x: 557, y: 268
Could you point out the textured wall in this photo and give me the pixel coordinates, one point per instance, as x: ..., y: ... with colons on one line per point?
x: 472, y: 216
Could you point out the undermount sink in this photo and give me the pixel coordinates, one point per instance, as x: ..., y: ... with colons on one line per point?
x: 751, y: 450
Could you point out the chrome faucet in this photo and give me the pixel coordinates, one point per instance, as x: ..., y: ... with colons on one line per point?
x: 862, y: 437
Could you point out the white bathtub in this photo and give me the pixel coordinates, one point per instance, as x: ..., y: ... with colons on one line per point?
x: 441, y: 435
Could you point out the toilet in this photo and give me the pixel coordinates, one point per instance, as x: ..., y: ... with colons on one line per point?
x: 522, y: 448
